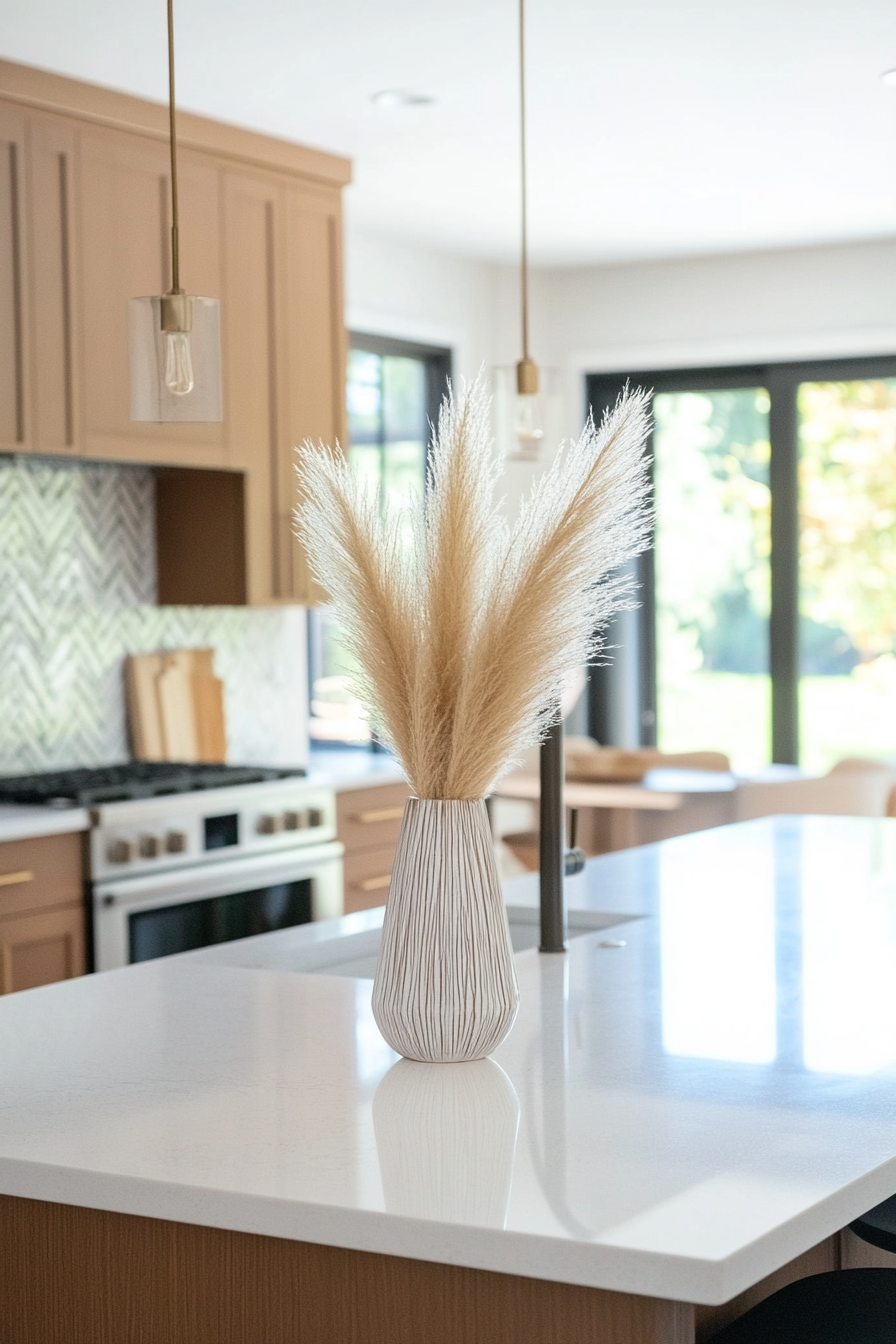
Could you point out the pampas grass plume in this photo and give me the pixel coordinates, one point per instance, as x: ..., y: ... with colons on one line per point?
x: 465, y: 636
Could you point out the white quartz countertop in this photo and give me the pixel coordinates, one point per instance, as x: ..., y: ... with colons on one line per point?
x: 685, y: 1103
x: 24, y: 823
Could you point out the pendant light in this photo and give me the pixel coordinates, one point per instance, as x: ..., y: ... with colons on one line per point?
x: 527, y: 401
x: 174, y: 339
x: 527, y: 426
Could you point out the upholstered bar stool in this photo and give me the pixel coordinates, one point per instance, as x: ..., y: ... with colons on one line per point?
x: 878, y: 1226
x: 845, y: 1306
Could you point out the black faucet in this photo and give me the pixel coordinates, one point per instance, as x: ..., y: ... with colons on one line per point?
x: 555, y: 860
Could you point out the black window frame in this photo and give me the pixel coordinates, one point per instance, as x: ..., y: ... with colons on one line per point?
x: 781, y: 379
x: 437, y: 360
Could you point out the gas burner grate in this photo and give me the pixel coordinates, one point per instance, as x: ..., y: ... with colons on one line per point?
x: 134, y: 779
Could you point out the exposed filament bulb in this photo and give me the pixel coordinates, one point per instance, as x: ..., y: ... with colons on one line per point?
x: 178, y: 363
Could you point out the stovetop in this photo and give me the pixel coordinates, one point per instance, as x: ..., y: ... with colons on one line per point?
x: 134, y: 779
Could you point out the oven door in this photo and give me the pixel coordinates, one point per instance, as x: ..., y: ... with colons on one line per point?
x: 138, y: 918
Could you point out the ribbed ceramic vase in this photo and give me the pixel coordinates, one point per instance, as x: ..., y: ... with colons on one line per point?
x: 445, y: 988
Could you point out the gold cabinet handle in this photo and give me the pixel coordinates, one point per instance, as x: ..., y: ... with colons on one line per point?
x: 381, y: 814
x: 13, y: 879
x: 374, y: 883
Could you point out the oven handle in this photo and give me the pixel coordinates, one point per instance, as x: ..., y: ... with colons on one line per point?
x: 201, y: 881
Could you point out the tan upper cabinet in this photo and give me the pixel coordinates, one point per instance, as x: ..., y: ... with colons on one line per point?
x: 284, y: 358
x: 250, y: 350
x: 15, y: 427
x: 124, y: 220
x: 84, y: 226
x: 55, y: 343
x: 314, y: 383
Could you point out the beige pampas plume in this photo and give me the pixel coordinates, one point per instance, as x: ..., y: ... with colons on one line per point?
x: 465, y: 636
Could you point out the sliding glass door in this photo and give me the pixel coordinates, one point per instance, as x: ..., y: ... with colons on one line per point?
x: 767, y: 626
x: 847, y: 521
x: 711, y: 455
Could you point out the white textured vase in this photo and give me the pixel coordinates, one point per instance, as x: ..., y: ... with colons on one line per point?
x: 445, y: 988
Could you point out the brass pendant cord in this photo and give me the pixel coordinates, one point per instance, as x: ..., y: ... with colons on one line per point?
x: 524, y: 257
x: 526, y: 369
x: 175, y: 247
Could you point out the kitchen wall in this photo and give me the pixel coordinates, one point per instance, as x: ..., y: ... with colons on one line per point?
x: 77, y: 587
x: 788, y: 303
x: 396, y: 288
x: 784, y: 304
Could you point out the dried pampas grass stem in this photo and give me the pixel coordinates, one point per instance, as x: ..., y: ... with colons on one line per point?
x: 465, y: 637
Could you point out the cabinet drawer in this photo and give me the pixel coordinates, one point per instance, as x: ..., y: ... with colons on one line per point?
x: 40, y: 872
x: 369, y: 818
x: 366, y: 878
x: 39, y: 949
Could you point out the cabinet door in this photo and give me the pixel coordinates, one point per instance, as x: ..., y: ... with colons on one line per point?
x: 252, y: 354
x: 366, y: 878
x: 124, y: 232
x: 38, y: 949
x: 284, y: 348
x: 14, y: 426
x: 314, y: 380
x: 53, y: 299
x: 39, y: 873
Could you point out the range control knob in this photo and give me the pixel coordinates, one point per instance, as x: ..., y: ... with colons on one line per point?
x: 295, y: 821
x: 150, y: 846
x: 122, y: 851
x: 176, y: 842
x: 268, y: 824
x: 315, y: 816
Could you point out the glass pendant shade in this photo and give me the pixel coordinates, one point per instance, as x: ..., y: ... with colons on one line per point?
x: 527, y: 427
x: 175, y: 375
x: 522, y: 421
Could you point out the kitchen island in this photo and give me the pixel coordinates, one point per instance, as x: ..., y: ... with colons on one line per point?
x: 220, y: 1148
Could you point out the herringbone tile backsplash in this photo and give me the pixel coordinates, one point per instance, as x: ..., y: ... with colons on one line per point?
x: 77, y: 587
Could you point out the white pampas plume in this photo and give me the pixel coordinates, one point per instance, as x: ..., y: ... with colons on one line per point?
x: 465, y: 637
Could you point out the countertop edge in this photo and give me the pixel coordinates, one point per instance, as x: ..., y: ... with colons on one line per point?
x: 497, y: 1250
x: 29, y: 823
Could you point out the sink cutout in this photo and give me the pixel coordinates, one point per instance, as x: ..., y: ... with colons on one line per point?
x: 355, y: 954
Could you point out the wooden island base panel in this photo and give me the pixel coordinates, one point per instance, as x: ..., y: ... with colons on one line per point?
x: 84, y: 1276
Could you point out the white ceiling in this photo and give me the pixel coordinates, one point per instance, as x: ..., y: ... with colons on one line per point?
x: 657, y: 127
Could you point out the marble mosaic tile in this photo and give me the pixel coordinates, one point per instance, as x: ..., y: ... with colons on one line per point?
x: 77, y: 587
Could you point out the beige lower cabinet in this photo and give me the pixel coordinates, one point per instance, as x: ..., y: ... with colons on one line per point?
x: 368, y: 822
x: 38, y: 949
x: 42, y: 923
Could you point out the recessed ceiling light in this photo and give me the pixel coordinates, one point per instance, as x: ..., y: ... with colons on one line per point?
x: 889, y: 76
x: 400, y: 98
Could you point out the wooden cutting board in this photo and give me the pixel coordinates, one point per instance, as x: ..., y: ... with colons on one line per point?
x: 140, y: 673
x: 208, y: 707
x: 176, y: 706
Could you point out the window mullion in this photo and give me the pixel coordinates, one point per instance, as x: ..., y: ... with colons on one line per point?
x: 784, y: 642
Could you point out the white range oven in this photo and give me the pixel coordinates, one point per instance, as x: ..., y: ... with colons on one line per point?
x: 184, y: 856
x: 174, y: 873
